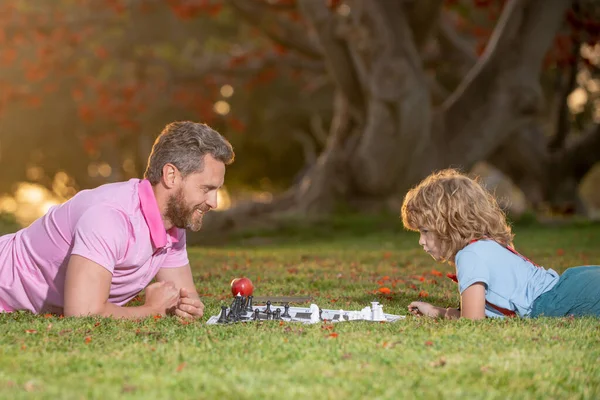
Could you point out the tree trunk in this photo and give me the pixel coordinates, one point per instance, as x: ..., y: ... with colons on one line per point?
x: 386, y: 136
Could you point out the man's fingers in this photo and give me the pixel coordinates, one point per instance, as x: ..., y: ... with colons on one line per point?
x: 191, y: 302
x: 191, y: 309
x: 183, y: 314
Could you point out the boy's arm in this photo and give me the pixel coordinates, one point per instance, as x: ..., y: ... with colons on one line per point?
x: 473, y: 301
x: 87, y: 287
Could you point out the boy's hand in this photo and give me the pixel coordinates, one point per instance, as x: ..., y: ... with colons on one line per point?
x: 422, y: 308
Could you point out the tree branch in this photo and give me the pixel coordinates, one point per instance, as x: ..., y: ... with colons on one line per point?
x: 339, y: 61
x: 502, y: 91
x: 454, y: 46
x: 284, y: 32
x: 423, y: 17
x: 563, y: 124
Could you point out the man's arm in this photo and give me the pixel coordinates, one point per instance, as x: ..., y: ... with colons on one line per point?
x: 190, y: 305
x: 180, y: 276
x: 87, y: 287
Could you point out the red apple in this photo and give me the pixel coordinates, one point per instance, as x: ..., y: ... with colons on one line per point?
x: 242, y: 286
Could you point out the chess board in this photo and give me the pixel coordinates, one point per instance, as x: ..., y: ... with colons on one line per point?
x: 296, y: 314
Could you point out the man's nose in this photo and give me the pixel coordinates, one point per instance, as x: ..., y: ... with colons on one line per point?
x: 212, y: 200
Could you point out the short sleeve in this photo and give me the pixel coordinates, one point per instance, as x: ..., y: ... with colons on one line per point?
x: 177, y: 255
x: 102, y: 235
x: 470, y: 269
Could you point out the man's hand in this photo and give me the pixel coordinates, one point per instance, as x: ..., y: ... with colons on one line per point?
x: 162, y: 298
x: 189, y: 306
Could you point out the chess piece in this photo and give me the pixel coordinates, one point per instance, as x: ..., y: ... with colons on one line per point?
x: 249, y: 304
x: 268, y: 309
x: 377, y: 311
x: 314, y: 313
x: 320, y: 314
x: 231, y: 314
x: 269, y: 315
x: 286, y: 312
x: 234, y: 313
x: 256, y: 315
x: 223, y: 317
x: 277, y: 314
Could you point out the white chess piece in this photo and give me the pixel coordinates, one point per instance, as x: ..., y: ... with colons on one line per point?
x: 314, y: 313
x: 365, y: 313
x: 377, y: 311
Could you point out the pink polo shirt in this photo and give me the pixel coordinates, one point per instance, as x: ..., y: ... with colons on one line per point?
x: 117, y: 225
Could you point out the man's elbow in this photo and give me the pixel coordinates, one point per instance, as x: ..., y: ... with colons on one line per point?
x: 90, y: 310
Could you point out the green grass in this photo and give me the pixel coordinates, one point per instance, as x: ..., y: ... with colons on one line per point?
x: 52, y: 357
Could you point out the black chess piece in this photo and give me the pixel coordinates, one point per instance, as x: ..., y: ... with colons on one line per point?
x: 231, y: 314
x: 223, y: 317
x: 269, y: 315
x: 234, y: 310
x: 232, y: 304
x: 256, y: 315
x: 239, y: 307
x: 268, y: 309
x: 277, y: 314
x: 286, y: 312
x: 249, y: 304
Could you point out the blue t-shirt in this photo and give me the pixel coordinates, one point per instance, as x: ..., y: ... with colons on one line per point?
x: 510, y: 281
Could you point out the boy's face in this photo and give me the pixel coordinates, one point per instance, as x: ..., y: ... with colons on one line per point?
x: 430, y: 243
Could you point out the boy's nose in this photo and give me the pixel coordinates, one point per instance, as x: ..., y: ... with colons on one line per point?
x: 421, y: 240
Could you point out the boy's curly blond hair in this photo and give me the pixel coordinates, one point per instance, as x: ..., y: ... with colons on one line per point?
x: 457, y: 209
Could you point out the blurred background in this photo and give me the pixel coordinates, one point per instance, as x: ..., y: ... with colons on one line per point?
x: 331, y: 106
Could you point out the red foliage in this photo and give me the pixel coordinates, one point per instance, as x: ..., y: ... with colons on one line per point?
x: 333, y: 4
x: 237, y: 125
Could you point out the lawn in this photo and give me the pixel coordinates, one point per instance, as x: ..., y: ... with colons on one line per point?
x: 342, y: 264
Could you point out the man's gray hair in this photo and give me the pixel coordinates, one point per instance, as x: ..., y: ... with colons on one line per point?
x: 184, y: 144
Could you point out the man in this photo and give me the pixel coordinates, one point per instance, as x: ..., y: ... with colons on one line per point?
x: 94, y: 253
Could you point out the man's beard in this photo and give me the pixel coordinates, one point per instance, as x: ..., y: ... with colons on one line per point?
x: 182, y: 216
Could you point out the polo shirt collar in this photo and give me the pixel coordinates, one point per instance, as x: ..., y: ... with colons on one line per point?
x: 158, y: 234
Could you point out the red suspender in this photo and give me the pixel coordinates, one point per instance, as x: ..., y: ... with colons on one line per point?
x: 504, y: 311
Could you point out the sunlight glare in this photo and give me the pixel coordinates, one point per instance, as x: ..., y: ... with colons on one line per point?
x: 576, y: 100
x: 222, y: 107
x: 223, y: 199
x: 227, y: 91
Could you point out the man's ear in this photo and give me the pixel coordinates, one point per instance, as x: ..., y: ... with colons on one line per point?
x: 170, y: 175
